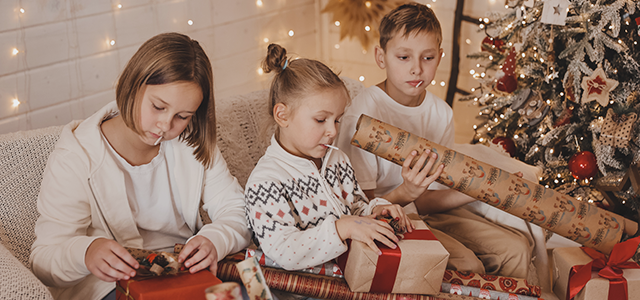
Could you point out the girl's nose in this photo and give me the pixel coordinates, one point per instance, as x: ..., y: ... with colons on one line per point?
x: 332, y: 130
x: 164, y: 124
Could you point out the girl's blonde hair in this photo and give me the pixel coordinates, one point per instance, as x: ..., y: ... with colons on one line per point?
x: 167, y: 58
x: 296, y: 78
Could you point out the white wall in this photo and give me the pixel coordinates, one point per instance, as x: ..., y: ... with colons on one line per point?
x: 66, y: 68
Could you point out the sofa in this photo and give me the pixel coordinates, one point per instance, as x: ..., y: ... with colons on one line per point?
x: 243, y: 135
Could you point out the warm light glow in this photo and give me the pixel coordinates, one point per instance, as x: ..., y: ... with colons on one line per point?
x: 433, y: 82
x: 266, y: 40
x: 15, y: 102
x: 112, y: 42
x: 259, y: 3
x: 337, y: 46
x: 490, y: 57
x: 260, y: 71
x: 367, y: 4
x: 521, y: 75
x: 468, y: 41
x: 291, y: 32
x: 486, y: 20
x: 442, y: 83
x: 475, y: 126
x: 15, y: 51
x: 442, y: 54
x: 481, y: 140
x: 119, y: 5
x: 22, y: 10
x: 515, y: 136
x: 367, y: 28
x: 190, y: 22
x: 361, y: 78
x: 337, y: 23
x: 472, y: 71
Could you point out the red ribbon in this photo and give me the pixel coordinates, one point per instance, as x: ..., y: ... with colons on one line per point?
x: 388, y: 263
x: 609, y: 268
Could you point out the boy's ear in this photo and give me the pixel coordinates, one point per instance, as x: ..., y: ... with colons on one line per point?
x: 281, y: 114
x: 379, y: 56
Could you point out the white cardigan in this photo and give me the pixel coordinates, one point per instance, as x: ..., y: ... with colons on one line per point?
x: 83, y: 197
x: 292, y: 206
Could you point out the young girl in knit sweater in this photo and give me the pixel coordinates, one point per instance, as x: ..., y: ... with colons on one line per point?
x: 302, y: 199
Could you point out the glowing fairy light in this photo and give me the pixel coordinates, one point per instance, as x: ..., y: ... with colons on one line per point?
x: 15, y: 102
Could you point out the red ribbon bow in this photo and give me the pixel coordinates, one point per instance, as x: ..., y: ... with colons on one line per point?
x: 609, y: 268
x: 389, y: 262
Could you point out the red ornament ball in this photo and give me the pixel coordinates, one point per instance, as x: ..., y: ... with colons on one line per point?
x: 507, y: 144
x: 583, y: 165
x: 493, y: 43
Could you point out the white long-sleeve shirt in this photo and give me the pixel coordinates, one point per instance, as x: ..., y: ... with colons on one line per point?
x: 292, y: 206
x: 83, y: 197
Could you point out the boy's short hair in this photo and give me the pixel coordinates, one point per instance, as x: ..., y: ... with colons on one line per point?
x: 411, y: 18
x: 167, y: 58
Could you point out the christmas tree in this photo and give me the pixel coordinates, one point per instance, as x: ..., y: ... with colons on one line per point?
x: 559, y: 87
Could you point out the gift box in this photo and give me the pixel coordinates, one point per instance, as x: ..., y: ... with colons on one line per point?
x: 185, y: 286
x: 590, y: 275
x: 416, y: 266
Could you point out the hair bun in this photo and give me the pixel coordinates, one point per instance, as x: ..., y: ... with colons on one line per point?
x: 275, y: 60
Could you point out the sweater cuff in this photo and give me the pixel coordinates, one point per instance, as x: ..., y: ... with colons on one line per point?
x: 375, y: 202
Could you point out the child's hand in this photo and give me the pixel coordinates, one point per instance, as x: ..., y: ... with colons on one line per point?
x: 395, y: 211
x: 519, y: 174
x: 199, y: 253
x: 366, y: 230
x: 417, y: 181
x: 109, y: 261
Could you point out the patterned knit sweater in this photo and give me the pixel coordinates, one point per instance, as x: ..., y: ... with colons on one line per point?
x: 292, y: 206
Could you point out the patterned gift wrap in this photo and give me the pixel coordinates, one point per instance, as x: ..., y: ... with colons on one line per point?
x: 577, y: 220
x: 492, y: 282
x: 471, y: 281
x: 323, y: 287
x: 457, y: 289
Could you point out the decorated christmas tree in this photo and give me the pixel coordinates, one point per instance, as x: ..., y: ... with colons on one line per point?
x: 559, y: 87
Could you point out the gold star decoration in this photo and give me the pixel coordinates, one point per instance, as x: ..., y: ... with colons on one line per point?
x: 597, y: 87
x: 360, y: 18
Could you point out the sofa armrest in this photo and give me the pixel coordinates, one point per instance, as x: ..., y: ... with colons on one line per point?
x: 17, y: 281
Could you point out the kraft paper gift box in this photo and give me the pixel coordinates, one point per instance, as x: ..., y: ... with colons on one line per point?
x: 596, y: 288
x: 416, y: 266
x: 184, y: 286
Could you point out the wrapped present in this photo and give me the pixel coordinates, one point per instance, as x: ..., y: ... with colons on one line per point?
x: 504, y: 284
x: 185, y: 286
x: 585, y: 274
x: 416, y: 266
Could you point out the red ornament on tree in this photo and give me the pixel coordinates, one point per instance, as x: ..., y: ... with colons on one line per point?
x: 509, y: 82
x: 492, y: 43
x: 506, y: 143
x: 583, y: 165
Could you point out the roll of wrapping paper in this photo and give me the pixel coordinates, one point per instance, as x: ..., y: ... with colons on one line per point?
x: 577, y: 220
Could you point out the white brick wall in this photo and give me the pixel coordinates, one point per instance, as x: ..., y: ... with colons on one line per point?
x: 66, y: 67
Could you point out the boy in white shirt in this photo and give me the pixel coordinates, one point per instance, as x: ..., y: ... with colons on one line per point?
x: 409, y: 52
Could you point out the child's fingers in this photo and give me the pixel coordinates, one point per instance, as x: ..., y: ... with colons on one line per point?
x: 126, y: 257
x: 424, y: 173
x: 121, y: 269
x: 388, y: 238
x: 406, y: 165
x: 385, y: 230
x: 519, y: 174
x: 418, y: 166
x: 435, y: 175
x: 373, y: 247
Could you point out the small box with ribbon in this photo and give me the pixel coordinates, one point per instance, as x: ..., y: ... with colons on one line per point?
x: 586, y: 274
x: 416, y: 266
x: 185, y: 286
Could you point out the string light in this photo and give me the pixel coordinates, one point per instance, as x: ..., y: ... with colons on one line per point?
x: 442, y: 83
x: 433, y: 82
x: 516, y: 136
x: 119, y: 5
x: 259, y: 3
x: 266, y: 40
x: 337, y: 23
x: 291, y: 33
x: 468, y: 41
x: 112, y: 42
x: 22, y: 10
x: 472, y: 71
x: 15, y: 102
x: 15, y: 51
x: 260, y: 71
x: 361, y: 78
x: 190, y: 22
x: 337, y: 46
x: 367, y: 28
x: 367, y: 4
